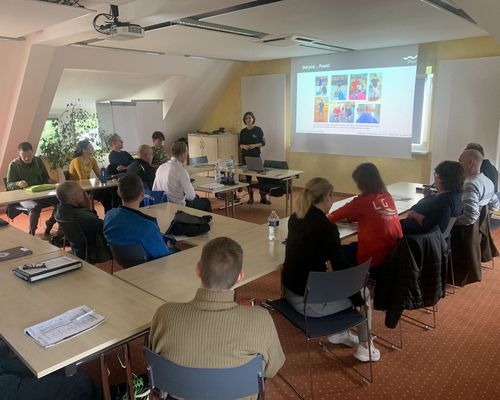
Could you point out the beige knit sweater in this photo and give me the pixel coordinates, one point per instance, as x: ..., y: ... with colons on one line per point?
x: 212, y: 331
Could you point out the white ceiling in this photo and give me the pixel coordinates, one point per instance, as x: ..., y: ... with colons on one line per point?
x: 356, y: 24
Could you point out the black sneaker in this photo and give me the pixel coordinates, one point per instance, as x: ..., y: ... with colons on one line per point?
x: 265, y: 201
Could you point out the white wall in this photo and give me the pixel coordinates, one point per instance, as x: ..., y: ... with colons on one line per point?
x: 466, y: 108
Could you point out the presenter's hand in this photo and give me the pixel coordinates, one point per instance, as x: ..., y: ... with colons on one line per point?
x: 121, y: 168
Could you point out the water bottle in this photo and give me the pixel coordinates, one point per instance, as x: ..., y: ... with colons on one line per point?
x: 273, y: 223
x: 217, y: 174
x: 103, y: 176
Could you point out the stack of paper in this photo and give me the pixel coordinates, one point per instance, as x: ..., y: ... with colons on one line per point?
x: 64, y: 326
x: 212, y: 186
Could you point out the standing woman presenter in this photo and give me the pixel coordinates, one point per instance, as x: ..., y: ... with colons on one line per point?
x: 251, y: 140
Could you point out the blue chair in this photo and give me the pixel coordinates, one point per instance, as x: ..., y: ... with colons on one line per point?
x: 325, y: 287
x: 127, y: 256
x: 205, y: 383
x: 152, y: 197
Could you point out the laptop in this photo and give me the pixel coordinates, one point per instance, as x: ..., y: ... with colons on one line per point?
x: 255, y: 164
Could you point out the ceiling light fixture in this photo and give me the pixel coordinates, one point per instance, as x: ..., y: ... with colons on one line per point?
x: 14, y: 39
x: 451, y: 7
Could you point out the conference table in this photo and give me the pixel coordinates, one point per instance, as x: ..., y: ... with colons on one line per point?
x: 208, y: 185
x: 11, y: 237
x: 128, y: 312
x: 280, y: 175
x: 16, y: 196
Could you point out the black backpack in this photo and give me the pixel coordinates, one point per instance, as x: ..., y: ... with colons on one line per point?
x: 185, y: 224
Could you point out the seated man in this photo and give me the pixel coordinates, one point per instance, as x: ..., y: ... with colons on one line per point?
x: 126, y: 225
x: 173, y: 179
x: 467, y: 243
x: 142, y: 166
x: 190, y: 334
x: 75, y: 206
x: 478, y: 189
x: 487, y: 168
x: 119, y: 159
x: 28, y: 170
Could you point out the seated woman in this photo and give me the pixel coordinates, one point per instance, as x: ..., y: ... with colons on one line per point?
x: 81, y: 166
x: 375, y: 212
x: 437, y: 209
x: 312, y: 243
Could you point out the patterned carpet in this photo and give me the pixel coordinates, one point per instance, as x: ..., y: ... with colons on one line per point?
x: 457, y: 360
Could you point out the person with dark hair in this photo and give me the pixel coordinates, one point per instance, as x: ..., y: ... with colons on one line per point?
x: 213, y: 331
x: 251, y: 140
x: 119, y: 159
x: 312, y: 243
x: 437, y: 209
x: 82, y: 165
x: 374, y: 210
x: 487, y: 168
x: 159, y: 151
x: 75, y: 206
x: 142, y: 166
x: 173, y: 179
x: 28, y: 170
x: 126, y: 225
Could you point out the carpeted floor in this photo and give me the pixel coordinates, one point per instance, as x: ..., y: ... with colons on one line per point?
x: 457, y: 360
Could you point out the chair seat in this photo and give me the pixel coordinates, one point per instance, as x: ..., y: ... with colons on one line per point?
x: 318, y: 327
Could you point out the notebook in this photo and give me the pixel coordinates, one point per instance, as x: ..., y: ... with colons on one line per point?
x: 14, y: 252
x: 46, y: 268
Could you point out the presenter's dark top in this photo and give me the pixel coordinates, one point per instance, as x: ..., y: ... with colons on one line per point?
x: 117, y: 158
x: 251, y: 136
x: 311, y: 242
x: 437, y: 209
x: 488, y: 169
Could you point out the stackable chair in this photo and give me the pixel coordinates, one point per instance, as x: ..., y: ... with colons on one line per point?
x: 73, y: 234
x: 325, y: 287
x: 127, y: 256
x: 205, y: 383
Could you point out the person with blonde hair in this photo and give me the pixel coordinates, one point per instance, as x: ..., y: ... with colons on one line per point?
x: 312, y: 242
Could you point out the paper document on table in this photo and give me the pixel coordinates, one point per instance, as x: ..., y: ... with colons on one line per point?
x: 64, y: 326
x: 397, y: 197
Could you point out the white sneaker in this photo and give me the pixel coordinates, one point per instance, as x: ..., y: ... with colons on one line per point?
x: 346, y: 338
x: 362, y: 354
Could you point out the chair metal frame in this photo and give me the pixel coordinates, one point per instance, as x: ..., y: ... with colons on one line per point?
x: 205, y: 383
x: 447, y: 238
x: 341, y: 284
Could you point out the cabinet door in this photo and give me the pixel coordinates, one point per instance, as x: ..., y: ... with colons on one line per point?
x: 195, y: 144
x: 210, y: 149
x: 228, y: 147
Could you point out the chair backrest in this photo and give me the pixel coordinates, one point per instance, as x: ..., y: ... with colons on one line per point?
x: 325, y: 287
x: 128, y: 256
x: 447, y: 232
x: 205, y: 383
x: 74, y: 235
x: 198, y: 160
x: 275, y: 164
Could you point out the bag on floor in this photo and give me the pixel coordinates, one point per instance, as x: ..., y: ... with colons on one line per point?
x: 185, y: 224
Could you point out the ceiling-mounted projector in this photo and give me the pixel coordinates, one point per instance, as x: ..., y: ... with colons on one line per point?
x: 125, y: 32
x: 114, y: 29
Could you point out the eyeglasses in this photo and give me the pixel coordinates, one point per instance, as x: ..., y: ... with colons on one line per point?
x: 34, y: 266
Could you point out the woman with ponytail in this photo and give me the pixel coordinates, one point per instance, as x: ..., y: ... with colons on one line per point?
x: 312, y: 243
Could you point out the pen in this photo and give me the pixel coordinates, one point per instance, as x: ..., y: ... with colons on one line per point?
x: 84, y: 315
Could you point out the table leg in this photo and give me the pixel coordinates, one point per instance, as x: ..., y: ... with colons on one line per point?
x: 104, y: 379
x: 233, y: 193
x: 128, y: 371
x: 226, y: 203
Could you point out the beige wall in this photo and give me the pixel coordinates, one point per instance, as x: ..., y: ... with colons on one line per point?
x: 338, y: 169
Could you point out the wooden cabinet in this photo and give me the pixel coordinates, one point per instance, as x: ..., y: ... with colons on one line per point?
x: 215, y: 147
